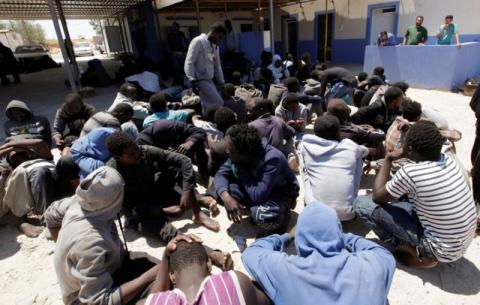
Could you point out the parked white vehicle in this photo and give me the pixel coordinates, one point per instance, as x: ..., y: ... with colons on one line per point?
x: 83, y: 49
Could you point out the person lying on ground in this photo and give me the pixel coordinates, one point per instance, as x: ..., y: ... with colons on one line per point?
x: 381, y: 113
x: 235, y: 103
x: 21, y: 123
x: 180, y: 137
x: 331, y: 167
x: 330, y: 266
x: 271, y: 127
x: 437, y: 221
x: 122, y: 113
x: 33, y: 185
x: 72, y: 115
x: 360, y: 134
x: 256, y: 177
x: 90, y: 152
x: 128, y: 94
x: 91, y: 263
x: 158, y: 104
x: 157, y: 183
x: 186, y: 267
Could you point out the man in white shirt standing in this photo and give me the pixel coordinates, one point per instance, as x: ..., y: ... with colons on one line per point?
x: 203, y: 65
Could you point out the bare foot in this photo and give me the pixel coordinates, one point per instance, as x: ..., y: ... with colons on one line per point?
x: 207, y: 222
x: 222, y: 260
x: 210, y: 203
x: 29, y: 229
x: 408, y: 257
x: 174, y: 210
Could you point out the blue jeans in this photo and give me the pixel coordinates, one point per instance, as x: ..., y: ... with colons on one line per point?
x: 396, y: 224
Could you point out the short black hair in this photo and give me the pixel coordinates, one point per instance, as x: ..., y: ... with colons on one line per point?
x: 187, y: 254
x: 224, y: 118
x: 402, y: 85
x: 122, y: 110
x: 392, y: 94
x: 246, y: 139
x: 219, y: 27
x: 420, y: 16
x: 210, y: 112
x: 327, y: 127
x: 412, y: 110
x: 262, y: 106
x: 380, y: 71
x: 73, y: 97
x: 158, y: 102
x: 292, y: 84
x: 362, y: 76
x: 425, y: 138
x: 449, y: 17
x: 126, y: 87
x: 118, y: 141
x: 229, y: 89
x: 290, y: 98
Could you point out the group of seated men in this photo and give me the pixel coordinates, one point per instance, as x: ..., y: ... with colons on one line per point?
x: 142, y: 160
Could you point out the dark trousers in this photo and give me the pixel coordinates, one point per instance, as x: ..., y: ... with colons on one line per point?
x: 130, y: 270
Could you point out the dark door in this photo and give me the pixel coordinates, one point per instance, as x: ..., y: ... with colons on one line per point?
x: 292, y: 28
x: 322, y: 36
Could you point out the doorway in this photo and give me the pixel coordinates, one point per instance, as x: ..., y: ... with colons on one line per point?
x: 381, y: 17
x: 324, y: 34
x: 290, y: 35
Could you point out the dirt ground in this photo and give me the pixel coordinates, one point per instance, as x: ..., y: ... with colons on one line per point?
x: 27, y: 275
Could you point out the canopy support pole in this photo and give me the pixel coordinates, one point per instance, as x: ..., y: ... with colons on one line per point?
x: 66, y: 64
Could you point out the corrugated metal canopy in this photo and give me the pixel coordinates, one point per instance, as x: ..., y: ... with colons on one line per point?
x: 73, y: 9
x: 222, y: 5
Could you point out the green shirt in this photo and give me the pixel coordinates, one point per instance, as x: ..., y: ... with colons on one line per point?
x: 446, y: 35
x: 416, y: 35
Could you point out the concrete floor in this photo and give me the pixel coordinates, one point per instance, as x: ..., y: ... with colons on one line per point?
x: 28, y: 277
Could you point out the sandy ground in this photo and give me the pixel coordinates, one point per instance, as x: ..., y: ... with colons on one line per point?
x: 27, y: 275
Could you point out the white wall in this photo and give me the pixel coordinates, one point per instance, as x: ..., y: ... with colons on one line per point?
x: 206, y: 21
x: 351, y: 16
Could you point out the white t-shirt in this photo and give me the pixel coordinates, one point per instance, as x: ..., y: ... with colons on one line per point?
x: 443, y: 202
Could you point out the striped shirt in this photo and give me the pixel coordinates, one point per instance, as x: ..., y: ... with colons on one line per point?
x: 443, y: 202
x: 219, y: 289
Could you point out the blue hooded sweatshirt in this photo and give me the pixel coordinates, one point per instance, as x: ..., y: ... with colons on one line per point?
x: 330, y: 267
x: 90, y: 151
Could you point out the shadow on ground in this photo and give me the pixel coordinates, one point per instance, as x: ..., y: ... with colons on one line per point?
x: 461, y: 277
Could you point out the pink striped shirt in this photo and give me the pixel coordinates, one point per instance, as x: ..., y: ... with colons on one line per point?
x: 219, y: 289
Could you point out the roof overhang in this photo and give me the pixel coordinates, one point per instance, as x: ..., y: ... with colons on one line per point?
x: 219, y: 5
x: 73, y: 9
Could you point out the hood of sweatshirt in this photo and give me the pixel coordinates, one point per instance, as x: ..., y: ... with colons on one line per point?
x: 17, y: 104
x: 315, y: 146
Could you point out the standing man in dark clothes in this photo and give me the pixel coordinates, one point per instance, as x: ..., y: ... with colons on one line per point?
x: 157, y: 182
x: 475, y: 105
x: 382, y: 112
x: 416, y: 34
x: 180, y: 137
x: 8, y: 65
x: 73, y: 114
x: 256, y: 177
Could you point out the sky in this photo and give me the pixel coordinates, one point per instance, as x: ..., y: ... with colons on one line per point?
x: 75, y: 27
